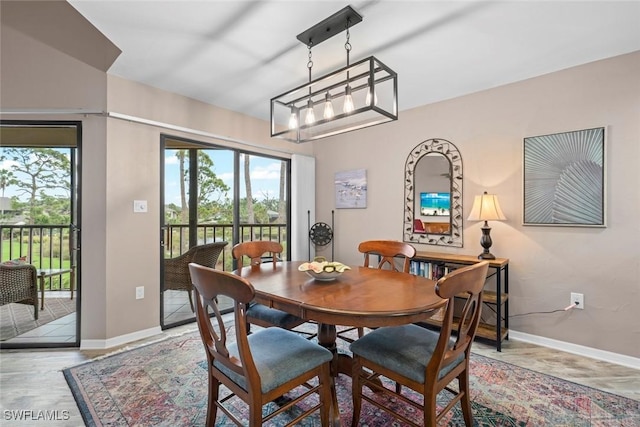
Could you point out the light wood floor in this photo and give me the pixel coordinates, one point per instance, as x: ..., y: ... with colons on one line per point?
x: 32, y: 379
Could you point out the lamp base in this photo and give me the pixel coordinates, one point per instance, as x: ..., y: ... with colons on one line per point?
x: 487, y: 255
x: 485, y: 242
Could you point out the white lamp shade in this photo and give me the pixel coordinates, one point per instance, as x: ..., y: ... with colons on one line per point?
x: 486, y: 208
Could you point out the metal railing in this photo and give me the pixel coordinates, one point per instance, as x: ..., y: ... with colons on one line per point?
x: 176, y: 238
x: 44, y: 246
x: 51, y: 246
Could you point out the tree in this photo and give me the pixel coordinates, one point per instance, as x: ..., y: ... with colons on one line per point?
x: 6, y: 179
x: 46, y: 170
x: 212, y: 191
x: 247, y: 182
x: 282, y: 208
x: 184, y: 211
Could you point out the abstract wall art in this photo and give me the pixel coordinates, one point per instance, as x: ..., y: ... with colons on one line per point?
x: 564, y: 179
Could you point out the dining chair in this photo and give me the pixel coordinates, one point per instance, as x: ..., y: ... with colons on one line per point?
x: 387, y: 252
x: 258, y: 252
x: 176, y: 270
x: 425, y: 361
x: 257, y: 368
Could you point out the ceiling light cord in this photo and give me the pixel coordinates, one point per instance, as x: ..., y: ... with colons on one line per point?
x: 310, y: 117
x: 348, y: 108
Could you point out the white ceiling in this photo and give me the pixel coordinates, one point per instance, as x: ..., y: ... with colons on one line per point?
x: 240, y: 54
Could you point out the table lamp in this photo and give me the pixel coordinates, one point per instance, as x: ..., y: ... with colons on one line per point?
x: 486, y: 208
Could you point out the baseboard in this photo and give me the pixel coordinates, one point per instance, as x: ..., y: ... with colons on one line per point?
x: 594, y: 353
x: 119, y: 340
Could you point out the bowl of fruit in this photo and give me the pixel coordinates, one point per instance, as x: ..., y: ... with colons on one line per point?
x: 323, y: 270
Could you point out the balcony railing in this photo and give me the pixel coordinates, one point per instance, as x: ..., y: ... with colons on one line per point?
x: 44, y: 246
x: 48, y: 246
x: 176, y: 238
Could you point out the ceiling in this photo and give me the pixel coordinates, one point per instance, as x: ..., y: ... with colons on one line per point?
x: 240, y: 54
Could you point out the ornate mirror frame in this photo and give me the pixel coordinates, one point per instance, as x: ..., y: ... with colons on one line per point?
x: 451, y: 153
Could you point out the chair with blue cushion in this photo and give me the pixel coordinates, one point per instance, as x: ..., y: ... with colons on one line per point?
x: 258, y: 252
x: 387, y: 252
x: 423, y: 360
x: 257, y: 368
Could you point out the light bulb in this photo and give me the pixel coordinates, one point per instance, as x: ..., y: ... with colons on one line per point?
x: 328, y: 107
x: 367, y: 99
x: 293, y: 119
x: 310, y: 117
x: 348, y: 100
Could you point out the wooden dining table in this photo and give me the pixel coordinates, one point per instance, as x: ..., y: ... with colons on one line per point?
x: 361, y: 297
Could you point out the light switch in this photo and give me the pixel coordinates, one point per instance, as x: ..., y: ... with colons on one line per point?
x: 139, y: 206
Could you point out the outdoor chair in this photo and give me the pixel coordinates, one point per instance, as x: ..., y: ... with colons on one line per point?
x: 258, y: 252
x: 423, y: 360
x: 18, y: 284
x: 257, y: 368
x: 387, y: 251
x: 176, y: 270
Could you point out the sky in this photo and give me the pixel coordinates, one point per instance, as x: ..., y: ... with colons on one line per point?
x: 264, y: 171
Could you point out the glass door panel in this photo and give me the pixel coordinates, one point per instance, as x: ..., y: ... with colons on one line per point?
x: 215, y: 194
x: 264, y: 199
x: 39, y: 228
x: 198, y: 209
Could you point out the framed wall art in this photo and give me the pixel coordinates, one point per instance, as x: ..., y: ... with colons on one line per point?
x: 351, y: 189
x: 564, y: 179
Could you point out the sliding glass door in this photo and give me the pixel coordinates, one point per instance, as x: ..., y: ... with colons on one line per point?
x: 213, y: 194
x: 39, y: 228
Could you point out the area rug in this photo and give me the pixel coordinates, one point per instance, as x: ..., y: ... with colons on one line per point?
x: 17, y: 319
x: 165, y: 384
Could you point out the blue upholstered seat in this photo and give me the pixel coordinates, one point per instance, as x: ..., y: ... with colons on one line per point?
x: 425, y: 361
x: 274, y: 362
x: 279, y: 355
x: 273, y: 316
x: 404, y: 349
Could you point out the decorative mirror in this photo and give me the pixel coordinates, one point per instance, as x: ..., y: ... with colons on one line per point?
x: 433, y: 194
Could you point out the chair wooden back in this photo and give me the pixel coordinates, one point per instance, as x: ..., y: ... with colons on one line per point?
x: 468, y: 281
x: 209, y: 284
x: 388, y: 250
x: 255, y: 250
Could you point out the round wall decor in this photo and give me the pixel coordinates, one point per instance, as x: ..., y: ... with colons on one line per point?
x: 321, y: 234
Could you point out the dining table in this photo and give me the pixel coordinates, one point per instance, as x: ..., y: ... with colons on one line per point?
x: 359, y: 297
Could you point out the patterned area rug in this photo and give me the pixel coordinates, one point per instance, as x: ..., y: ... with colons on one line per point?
x: 165, y: 384
x: 17, y: 319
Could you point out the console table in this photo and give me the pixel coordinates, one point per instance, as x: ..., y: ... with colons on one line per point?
x: 436, y: 264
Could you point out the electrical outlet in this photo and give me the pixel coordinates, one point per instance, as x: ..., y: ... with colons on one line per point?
x: 577, y: 299
x: 139, y: 292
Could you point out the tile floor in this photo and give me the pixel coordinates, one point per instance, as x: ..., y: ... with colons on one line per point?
x: 61, y: 330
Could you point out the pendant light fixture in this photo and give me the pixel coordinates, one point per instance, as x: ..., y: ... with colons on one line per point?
x: 367, y: 91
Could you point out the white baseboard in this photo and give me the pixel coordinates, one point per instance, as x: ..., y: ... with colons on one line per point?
x: 594, y: 353
x: 119, y: 340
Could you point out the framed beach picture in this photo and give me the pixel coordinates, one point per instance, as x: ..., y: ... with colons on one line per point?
x: 564, y: 179
x: 351, y: 189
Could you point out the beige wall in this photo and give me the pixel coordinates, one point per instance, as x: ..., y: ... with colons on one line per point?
x: 546, y: 263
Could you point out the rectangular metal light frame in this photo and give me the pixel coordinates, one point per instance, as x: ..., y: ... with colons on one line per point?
x: 381, y: 108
